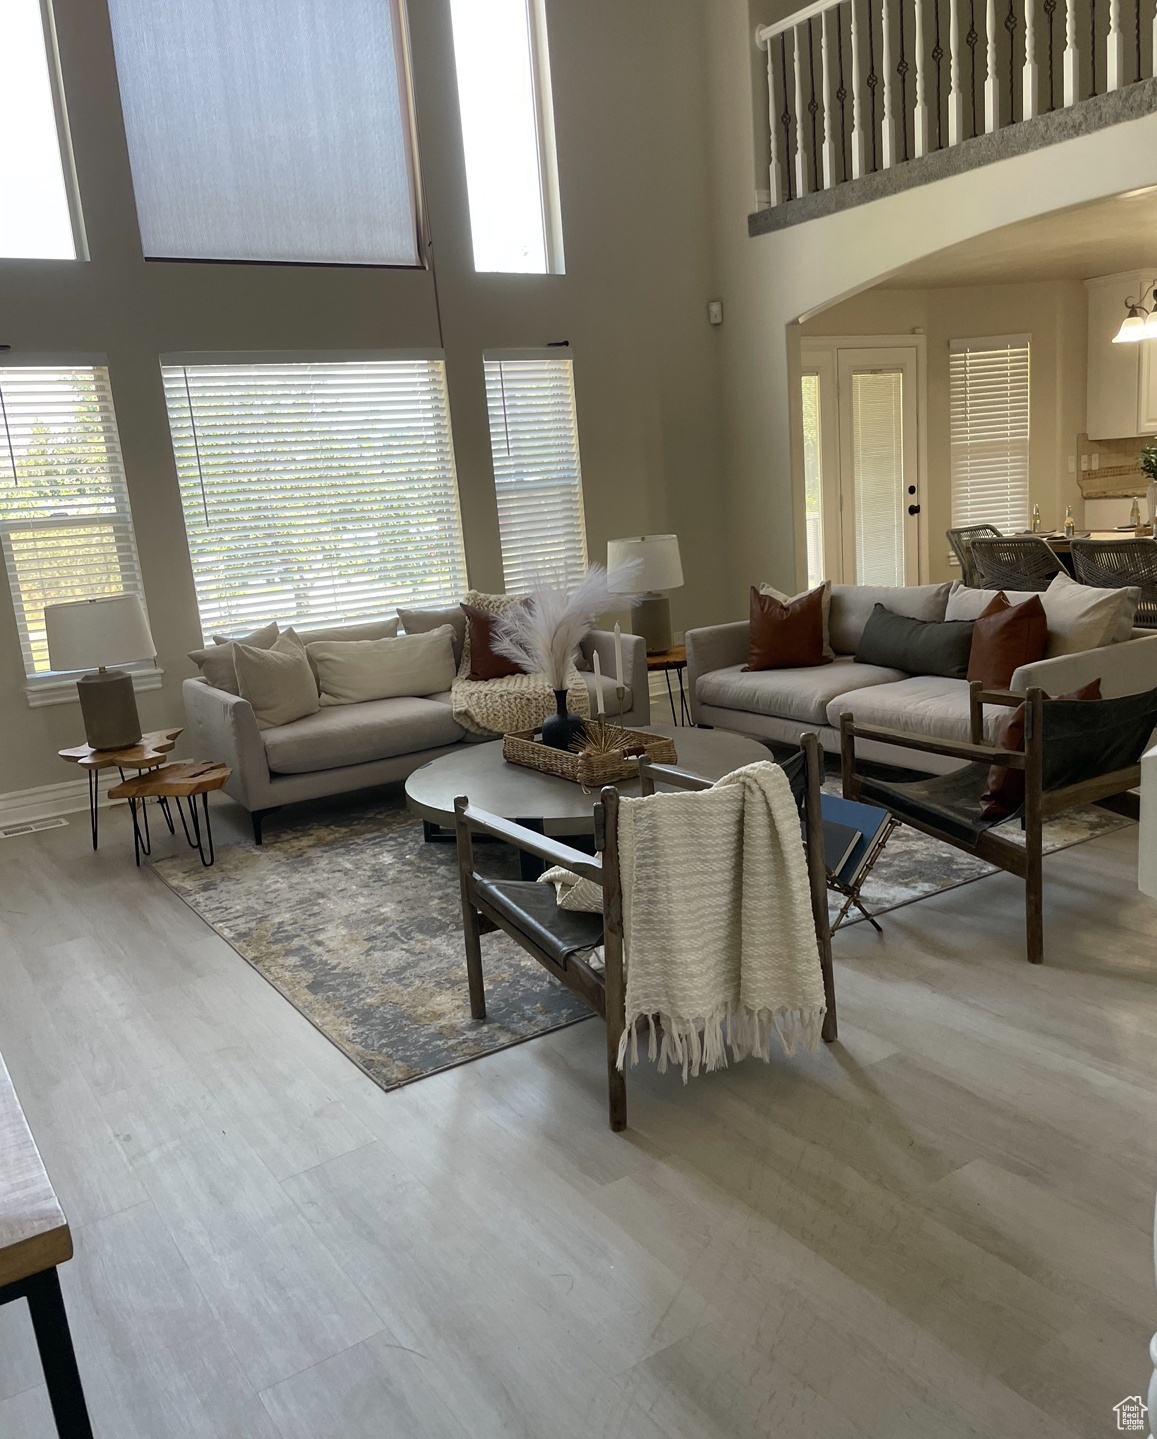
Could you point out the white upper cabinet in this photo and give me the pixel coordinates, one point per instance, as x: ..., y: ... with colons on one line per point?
x: 1122, y: 379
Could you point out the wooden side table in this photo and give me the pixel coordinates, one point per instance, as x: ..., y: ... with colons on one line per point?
x: 176, y: 781
x: 34, y: 1239
x: 674, y: 659
x: 149, y: 753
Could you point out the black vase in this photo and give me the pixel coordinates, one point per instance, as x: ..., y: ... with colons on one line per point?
x: 562, y: 729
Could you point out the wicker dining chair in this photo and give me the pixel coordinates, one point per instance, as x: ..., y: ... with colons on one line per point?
x: 1020, y: 562
x: 961, y: 542
x: 1115, y: 563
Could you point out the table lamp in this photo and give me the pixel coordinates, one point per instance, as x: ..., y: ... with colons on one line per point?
x: 92, y: 635
x: 656, y: 567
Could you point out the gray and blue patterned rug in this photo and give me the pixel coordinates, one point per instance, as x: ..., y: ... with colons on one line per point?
x: 356, y: 921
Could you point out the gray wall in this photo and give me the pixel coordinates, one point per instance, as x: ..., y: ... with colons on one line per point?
x: 632, y: 130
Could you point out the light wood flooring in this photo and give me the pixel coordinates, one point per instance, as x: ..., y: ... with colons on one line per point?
x: 939, y: 1227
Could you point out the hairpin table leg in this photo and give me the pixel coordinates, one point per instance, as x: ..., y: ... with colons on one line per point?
x: 201, y: 838
x: 163, y: 801
x: 93, y: 802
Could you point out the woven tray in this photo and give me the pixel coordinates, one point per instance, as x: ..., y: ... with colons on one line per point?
x: 589, y: 770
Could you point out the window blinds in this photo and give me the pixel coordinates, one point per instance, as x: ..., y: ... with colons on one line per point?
x: 537, y: 479
x: 878, y: 445
x: 65, y: 524
x: 268, y: 129
x: 316, y: 492
x: 988, y: 401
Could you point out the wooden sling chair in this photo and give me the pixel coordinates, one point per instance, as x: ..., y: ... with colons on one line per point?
x: 1076, y: 752
x: 562, y: 940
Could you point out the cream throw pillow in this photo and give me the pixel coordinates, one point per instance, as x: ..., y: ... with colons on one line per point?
x: 216, y: 662
x: 826, y: 605
x: 277, y: 682
x: 352, y: 671
x: 1081, y: 617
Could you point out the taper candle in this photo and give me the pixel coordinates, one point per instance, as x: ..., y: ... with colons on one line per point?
x: 598, y: 684
x: 618, y: 655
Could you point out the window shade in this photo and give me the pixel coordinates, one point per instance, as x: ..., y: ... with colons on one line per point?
x: 537, y: 479
x: 316, y: 492
x: 65, y: 523
x: 988, y: 399
x: 878, y: 442
x: 268, y: 129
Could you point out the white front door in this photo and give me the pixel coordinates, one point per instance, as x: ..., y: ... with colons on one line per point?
x: 879, y: 479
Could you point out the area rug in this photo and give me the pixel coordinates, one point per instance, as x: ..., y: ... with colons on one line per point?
x: 356, y: 921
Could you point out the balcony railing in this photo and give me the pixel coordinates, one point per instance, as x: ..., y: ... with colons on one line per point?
x: 856, y: 86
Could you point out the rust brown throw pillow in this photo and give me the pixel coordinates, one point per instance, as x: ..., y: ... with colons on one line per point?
x: 484, y: 663
x: 1005, y: 792
x: 786, y: 636
x: 1005, y: 637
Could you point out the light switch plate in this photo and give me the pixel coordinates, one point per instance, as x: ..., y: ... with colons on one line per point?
x: 715, y: 312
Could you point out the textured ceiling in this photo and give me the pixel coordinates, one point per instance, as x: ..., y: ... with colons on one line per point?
x: 1099, y: 238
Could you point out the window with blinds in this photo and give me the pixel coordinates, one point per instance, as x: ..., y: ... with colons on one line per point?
x: 537, y: 479
x: 65, y: 524
x: 259, y: 130
x: 988, y: 400
x: 318, y: 491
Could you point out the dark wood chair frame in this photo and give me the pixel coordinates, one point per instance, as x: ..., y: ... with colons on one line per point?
x: 606, y: 993
x: 1039, y: 804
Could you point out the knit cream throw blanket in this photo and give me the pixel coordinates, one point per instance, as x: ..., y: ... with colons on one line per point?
x: 514, y: 702
x: 718, y: 932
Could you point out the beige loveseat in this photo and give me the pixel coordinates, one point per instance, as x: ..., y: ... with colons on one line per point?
x: 780, y: 704
x: 356, y: 746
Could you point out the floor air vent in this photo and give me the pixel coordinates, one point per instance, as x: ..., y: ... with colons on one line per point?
x: 34, y: 828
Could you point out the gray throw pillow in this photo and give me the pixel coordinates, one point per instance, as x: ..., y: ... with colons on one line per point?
x: 277, y: 682
x: 216, y: 662
x: 918, y: 647
x: 420, y: 622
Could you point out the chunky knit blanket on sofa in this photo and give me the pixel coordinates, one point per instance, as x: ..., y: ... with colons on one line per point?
x: 514, y: 702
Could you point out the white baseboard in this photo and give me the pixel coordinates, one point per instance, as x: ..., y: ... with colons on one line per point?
x: 49, y: 801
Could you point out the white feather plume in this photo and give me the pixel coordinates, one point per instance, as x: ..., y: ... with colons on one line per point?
x: 544, y: 635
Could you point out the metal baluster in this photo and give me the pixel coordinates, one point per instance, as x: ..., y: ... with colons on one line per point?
x: 971, y: 40
x: 1028, y: 75
x: 842, y: 93
x: 813, y: 105
x: 1114, y: 49
x: 938, y: 55
x: 773, y: 168
x: 1155, y: 40
x: 955, y: 99
x: 857, y: 99
x: 1072, y: 69
x: 785, y: 119
x: 1137, y: 14
x: 874, y: 81
x: 1092, y: 47
x: 888, y: 124
x: 902, y: 70
x: 920, y: 113
x: 991, y: 86
x: 1050, y: 9
x: 1010, y: 26
x: 829, y: 146
x: 801, y: 175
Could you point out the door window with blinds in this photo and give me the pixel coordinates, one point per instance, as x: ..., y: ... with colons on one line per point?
x: 537, y: 477
x: 315, y: 491
x: 989, y: 406
x: 259, y: 130
x: 65, y: 524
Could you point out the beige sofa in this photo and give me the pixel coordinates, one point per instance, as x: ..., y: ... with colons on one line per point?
x: 356, y: 746
x: 780, y: 704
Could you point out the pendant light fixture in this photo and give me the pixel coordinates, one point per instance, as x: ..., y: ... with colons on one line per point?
x: 1141, y: 321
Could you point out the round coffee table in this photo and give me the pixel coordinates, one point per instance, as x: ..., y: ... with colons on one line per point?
x: 545, y: 802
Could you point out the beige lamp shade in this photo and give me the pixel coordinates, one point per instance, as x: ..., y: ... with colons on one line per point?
x: 655, y: 561
x: 93, y: 634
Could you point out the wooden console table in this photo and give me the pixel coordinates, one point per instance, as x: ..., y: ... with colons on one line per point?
x: 34, y: 1239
